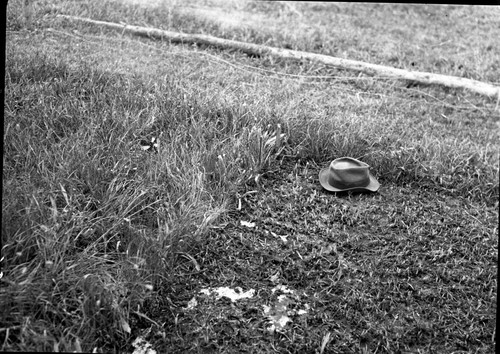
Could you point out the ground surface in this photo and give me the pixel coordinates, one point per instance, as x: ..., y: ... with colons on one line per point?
x: 391, y: 271
x: 104, y: 243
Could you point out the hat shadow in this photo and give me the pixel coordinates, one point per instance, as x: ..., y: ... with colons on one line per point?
x: 344, y: 194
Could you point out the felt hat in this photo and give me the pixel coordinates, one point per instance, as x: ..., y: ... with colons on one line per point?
x: 347, y: 174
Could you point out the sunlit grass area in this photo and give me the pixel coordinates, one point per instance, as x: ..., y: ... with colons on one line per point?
x: 102, y: 239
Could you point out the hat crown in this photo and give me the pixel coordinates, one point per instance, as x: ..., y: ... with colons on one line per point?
x: 348, y: 173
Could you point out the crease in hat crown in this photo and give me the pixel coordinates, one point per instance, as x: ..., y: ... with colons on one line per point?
x: 347, y: 173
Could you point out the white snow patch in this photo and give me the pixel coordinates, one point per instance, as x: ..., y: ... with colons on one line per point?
x: 230, y: 293
x: 247, y: 223
x: 142, y: 347
x: 282, y: 288
x: 191, y: 304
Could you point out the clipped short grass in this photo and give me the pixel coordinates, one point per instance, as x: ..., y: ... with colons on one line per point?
x: 93, y: 227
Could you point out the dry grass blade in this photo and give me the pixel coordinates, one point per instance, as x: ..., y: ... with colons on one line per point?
x: 324, y: 342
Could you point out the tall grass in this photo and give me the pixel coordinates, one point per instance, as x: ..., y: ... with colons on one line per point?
x: 92, y: 225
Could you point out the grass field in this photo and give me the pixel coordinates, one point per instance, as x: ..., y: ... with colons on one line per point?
x: 104, y: 243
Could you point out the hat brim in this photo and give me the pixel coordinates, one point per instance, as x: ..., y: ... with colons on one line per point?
x: 373, y: 186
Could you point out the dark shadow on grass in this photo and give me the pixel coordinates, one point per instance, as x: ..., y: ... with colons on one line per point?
x: 348, y: 194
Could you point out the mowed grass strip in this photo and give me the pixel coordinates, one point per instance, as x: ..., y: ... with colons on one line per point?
x: 93, y: 228
x: 392, y: 272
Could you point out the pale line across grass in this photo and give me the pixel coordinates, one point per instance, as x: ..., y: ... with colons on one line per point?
x: 255, y: 70
x: 426, y: 78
